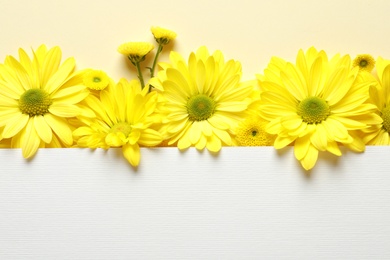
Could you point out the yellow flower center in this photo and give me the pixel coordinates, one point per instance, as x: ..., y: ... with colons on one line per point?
x: 313, y: 110
x: 200, y: 107
x: 386, y: 118
x: 252, y: 132
x: 96, y: 79
x: 364, y: 62
x: 35, y: 102
x: 122, y: 127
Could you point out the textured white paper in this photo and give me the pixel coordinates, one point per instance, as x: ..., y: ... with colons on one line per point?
x: 245, y: 203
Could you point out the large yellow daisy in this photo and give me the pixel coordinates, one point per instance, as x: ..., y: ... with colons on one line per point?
x: 36, y: 97
x: 378, y: 134
x: 315, y: 104
x: 204, y: 99
x: 125, y: 115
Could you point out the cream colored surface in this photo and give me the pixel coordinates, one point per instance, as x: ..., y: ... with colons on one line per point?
x: 249, y: 31
x: 248, y: 203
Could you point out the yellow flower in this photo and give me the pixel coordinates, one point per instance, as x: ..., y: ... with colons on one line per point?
x: 365, y: 62
x: 316, y: 105
x: 251, y: 132
x: 378, y: 133
x: 135, y: 51
x: 163, y: 36
x: 124, y: 118
x: 204, y: 99
x: 36, y: 97
x: 96, y: 79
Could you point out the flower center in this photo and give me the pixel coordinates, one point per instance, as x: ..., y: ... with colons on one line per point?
x: 35, y: 102
x: 96, y: 79
x: 122, y: 127
x: 386, y: 118
x: 363, y: 63
x: 200, y: 107
x: 254, y: 133
x: 313, y: 110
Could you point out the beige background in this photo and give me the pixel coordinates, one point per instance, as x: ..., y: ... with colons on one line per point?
x: 247, y: 30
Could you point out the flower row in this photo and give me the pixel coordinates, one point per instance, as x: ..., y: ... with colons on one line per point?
x: 316, y: 104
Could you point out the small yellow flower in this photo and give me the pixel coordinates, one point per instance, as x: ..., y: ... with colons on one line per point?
x: 125, y: 115
x: 135, y: 51
x: 96, y: 79
x: 163, y: 36
x: 251, y: 132
x: 365, y: 62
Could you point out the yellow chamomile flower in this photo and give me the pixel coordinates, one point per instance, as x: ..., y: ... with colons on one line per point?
x: 124, y: 118
x: 378, y: 134
x: 135, y: 51
x: 205, y: 99
x: 36, y: 97
x: 315, y: 104
x: 96, y: 79
x: 162, y: 36
x: 251, y: 132
x: 365, y: 62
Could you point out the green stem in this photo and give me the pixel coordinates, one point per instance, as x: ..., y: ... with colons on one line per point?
x: 159, y: 50
x: 140, y: 77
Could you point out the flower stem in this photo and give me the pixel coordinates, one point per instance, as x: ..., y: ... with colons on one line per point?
x: 140, y: 77
x: 159, y: 50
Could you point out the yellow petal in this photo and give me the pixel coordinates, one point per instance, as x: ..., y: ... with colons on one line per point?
x: 60, y: 76
x: 50, y: 63
x: 281, y: 142
x: 115, y: 139
x: 60, y: 127
x: 232, y: 106
x: 14, y: 125
x: 63, y: 110
x: 301, y: 146
x: 134, y: 136
x: 42, y: 128
x: 316, y: 81
x: 213, y: 144
x: 333, y: 148
x: 71, y: 95
x: 30, y: 140
x: 319, y: 138
x: 310, y: 159
x: 132, y: 154
x: 150, y: 137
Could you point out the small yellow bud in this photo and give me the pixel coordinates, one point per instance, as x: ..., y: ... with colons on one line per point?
x: 163, y: 36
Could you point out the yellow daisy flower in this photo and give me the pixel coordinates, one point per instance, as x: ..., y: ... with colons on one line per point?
x: 124, y: 118
x: 364, y: 62
x: 96, y: 79
x: 204, y: 99
x: 378, y: 134
x: 136, y: 52
x: 162, y: 36
x: 36, y: 97
x: 251, y: 132
x: 316, y: 105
